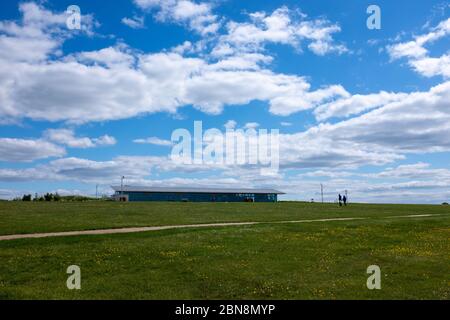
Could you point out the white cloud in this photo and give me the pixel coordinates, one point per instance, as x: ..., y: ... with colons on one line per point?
x: 282, y: 26
x: 118, y: 83
x: 111, y: 57
x: 197, y: 16
x: 37, y: 82
x: 29, y: 41
x: 245, y: 61
x: 25, y: 150
x: 154, y: 140
x: 294, y: 99
x: 356, y: 104
x: 67, y: 137
x: 159, y: 82
x: 312, y: 149
x: 73, y: 91
x: 8, y: 194
x: 40, y: 33
x: 185, y: 47
x: 104, y: 140
x: 134, y: 168
x: 145, y: 171
x: 419, y: 123
x: 135, y: 22
x: 327, y: 174
x: 230, y: 124
x: 430, y: 67
x: 416, y: 171
x: 251, y: 125
x: 418, y: 56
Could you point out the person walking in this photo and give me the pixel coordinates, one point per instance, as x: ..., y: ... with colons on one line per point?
x: 340, y: 200
x: 344, y: 199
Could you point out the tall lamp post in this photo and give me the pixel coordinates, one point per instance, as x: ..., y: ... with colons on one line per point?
x: 321, y: 191
x: 121, y: 188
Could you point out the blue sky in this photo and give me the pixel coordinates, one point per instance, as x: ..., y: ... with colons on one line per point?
x: 357, y: 109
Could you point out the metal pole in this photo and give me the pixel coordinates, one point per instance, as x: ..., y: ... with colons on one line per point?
x: 96, y: 191
x: 321, y: 191
x: 121, y: 187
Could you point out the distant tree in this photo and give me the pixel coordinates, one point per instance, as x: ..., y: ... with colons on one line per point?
x: 26, y: 197
x: 77, y: 198
x: 57, y: 197
x: 48, y: 197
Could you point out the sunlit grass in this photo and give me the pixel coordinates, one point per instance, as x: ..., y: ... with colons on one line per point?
x: 319, y: 260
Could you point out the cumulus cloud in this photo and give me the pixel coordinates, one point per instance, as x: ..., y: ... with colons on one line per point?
x: 415, y: 171
x: 282, y: 26
x: 355, y: 104
x: 134, y: 168
x: 294, y: 100
x: 404, y: 186
x: 25, y: 150
x: 118, y: 82
x: 73, y: 91
x: 430, y: 67
x: 411, y: 183
x: 306, y: 150
x: 135, y: 22
x: 251, y: 125
x: 286, y: 94
x: 418, y: 56
x: 67, y: 90
x: 39, y: 34
x: 419, y: 122
x: 67, y: 137
x: 155, y: 141
x: 230, y: 124
x: 122, y: 83
x: 197, y: 16
x: 111, y: 57
x: 29, y: 41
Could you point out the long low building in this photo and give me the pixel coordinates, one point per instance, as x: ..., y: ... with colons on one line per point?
x: 131, y: 193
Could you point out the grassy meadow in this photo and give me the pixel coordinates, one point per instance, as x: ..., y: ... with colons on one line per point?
x: 316, y: 260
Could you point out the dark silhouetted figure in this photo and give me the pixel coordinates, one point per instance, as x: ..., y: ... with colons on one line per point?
x: 344, y: 199
x: 340, y: 200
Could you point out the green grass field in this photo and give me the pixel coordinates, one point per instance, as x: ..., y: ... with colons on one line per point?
x: 317, y: 260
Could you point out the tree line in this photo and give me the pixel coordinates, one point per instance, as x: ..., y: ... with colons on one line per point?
x: 55, y: 197
x: 45, y: 197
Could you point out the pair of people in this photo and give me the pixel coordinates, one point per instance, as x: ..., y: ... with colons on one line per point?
x: 342, y: 200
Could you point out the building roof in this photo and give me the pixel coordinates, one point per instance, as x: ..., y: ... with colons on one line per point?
x: 192, y: 190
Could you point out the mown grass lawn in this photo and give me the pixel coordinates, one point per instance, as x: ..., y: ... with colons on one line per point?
x: 318, y: 260
x: 33, y: 217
